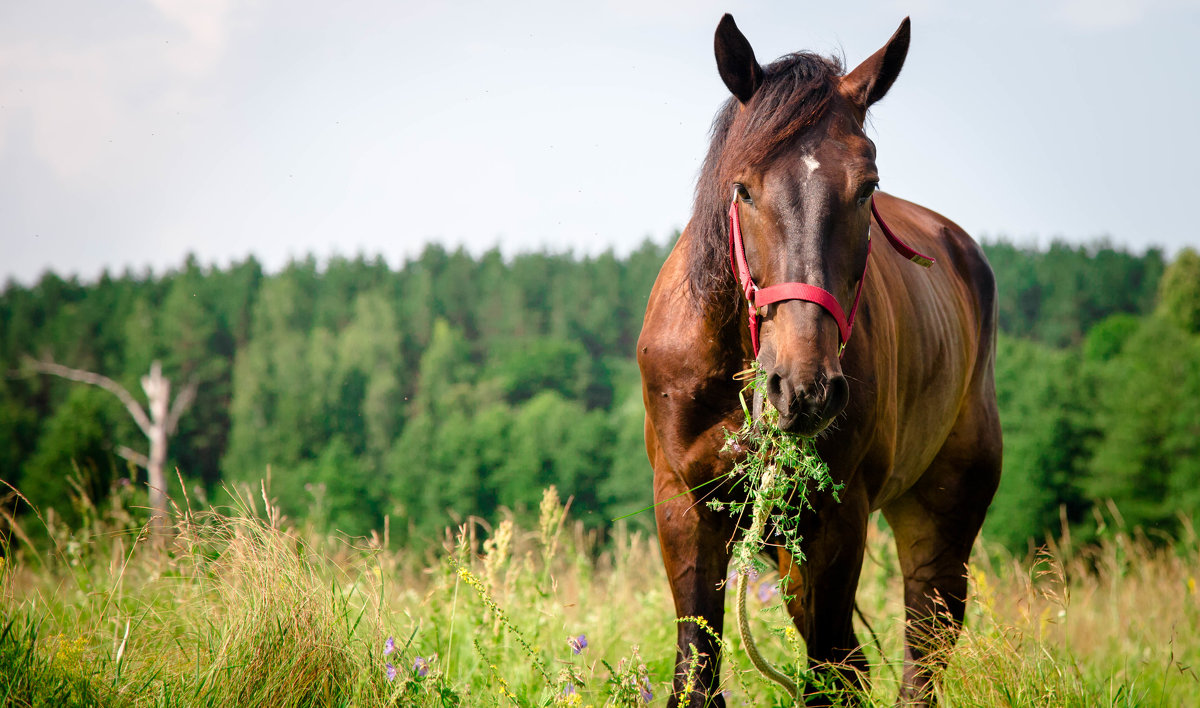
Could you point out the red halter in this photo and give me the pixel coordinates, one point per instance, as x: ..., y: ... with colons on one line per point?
x: 761, y: 297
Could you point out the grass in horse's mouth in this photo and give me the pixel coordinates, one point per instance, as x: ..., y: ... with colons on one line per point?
x: 779, y: 470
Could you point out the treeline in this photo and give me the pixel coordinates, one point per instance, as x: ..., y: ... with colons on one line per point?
x: 456, y: 385
x: 1056, y: 296
x: 1114, y: 418
x: 446, y: 388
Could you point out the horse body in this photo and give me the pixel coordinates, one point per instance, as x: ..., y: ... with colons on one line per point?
x: 906, y: 417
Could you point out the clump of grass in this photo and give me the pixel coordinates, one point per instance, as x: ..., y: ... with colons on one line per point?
x: 779, y: 471
x: 38, y: 671
x: 283, y: 632
x: 1108, y: 624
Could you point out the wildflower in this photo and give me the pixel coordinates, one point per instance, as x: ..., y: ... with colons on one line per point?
x: 569, y: 697
x: 644, y: 689
x: 391, y: 672
x: 578, y: 644
x: 766, y: 591
x: 389, y: 646
x: 70, y: 651
x: 421, y: 667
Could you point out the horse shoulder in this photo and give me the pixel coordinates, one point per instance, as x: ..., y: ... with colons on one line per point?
x: 687, y: 375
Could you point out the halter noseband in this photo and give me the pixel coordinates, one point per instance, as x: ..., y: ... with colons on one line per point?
x: 757, y: 297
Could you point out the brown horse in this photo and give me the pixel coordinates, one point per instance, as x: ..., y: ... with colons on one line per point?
x: 905, y: 416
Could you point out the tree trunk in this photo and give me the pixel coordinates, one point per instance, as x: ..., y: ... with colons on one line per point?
x: 158, y: 426
x: 158, y: 394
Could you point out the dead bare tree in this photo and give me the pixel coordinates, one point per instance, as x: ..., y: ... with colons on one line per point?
x: 158, y: 425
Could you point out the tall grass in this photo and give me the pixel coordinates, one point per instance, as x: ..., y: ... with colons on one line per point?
x: 244, y: 608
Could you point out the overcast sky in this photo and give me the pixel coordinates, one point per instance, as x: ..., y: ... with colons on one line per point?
x: 135, y: 131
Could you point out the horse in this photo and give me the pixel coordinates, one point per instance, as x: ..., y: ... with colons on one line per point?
x: 904, y: 412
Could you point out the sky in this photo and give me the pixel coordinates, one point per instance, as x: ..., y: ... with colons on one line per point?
x: 135, y: 132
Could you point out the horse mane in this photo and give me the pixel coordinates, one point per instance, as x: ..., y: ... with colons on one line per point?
x: 794, y: 95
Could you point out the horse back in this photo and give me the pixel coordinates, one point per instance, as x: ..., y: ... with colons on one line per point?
x: 928, y: 347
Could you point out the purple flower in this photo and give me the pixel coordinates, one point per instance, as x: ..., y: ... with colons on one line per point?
x: 644, y: 689
x: 391, y: 672
x: 767, y: 590
x: 421, y: 667
x: 389, y: 646
x: 579, y: 643
x: 569, y: 689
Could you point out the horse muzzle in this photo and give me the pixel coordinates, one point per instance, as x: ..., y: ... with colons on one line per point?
x: 807, y: 408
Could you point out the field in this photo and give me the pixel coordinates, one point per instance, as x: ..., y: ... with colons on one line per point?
x: 242, y: 607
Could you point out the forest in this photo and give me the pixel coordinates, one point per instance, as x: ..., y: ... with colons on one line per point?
x: 456, y: 385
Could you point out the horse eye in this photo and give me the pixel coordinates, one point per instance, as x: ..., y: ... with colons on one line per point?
x: 742, y: 192
x: 866, y: 191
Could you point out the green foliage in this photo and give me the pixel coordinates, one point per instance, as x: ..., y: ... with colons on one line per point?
x: 76, y: 444
x: 1055, y: 296
x: 1047, y: 422
x: 323, y: 402
x: 18, y: 430
x: 1107, y: 339
x: 627, y: 487
x: 1179, y: 291
x: 526, y: 366
x: 553, y: 441
x: 1148, y: 404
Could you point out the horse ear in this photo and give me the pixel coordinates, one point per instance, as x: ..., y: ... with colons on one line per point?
x: 871, y: 79
x: 735, y: 60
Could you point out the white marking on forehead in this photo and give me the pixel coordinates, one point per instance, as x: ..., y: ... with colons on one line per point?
x: 811, y: 163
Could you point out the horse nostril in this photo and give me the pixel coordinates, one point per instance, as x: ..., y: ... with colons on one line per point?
x: 836, y: 396
x: 775, y: 387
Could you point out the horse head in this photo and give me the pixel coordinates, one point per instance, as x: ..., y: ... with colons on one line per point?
x: 800, y: 172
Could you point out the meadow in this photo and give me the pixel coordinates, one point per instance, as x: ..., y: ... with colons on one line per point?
x: 242, y: 606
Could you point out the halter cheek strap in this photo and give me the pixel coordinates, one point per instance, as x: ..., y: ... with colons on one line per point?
x: 758, y: 297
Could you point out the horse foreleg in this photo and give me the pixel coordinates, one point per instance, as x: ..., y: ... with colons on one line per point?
x: 822, y: 592
x: 695, y: 548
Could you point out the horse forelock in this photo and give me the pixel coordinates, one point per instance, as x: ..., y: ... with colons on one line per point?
x: 794, y: 96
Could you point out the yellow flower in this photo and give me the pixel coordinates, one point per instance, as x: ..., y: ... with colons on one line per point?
x: 70, y: 651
